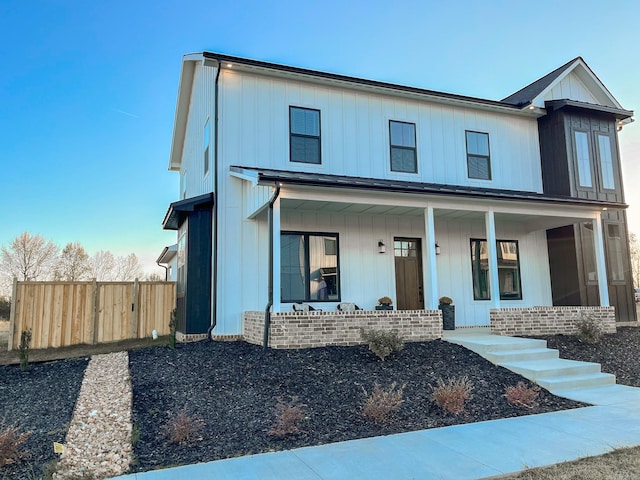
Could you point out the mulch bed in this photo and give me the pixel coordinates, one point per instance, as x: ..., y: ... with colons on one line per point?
x: 233, y: 388
x: 39, y: 400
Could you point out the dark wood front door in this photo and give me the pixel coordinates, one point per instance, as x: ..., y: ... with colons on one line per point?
x: 408, y: 259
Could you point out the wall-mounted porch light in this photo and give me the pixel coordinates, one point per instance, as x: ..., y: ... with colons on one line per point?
x: 381, y: 247
x: 437, y: 249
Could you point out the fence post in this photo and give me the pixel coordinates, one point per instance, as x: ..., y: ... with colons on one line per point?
x: 93, y: 329
x: 135, y: 307
x: 12, y: 314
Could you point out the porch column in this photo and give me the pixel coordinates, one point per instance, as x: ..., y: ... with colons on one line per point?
x: 277, y: 296
x: 430, y: 279
x: 601, y: 266
x: 492, y: 251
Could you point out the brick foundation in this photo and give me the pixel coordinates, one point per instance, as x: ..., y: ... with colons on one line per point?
x: 548, y: 320
x: 318, y: 329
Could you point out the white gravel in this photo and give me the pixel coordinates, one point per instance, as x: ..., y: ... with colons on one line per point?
x: 99, y: 439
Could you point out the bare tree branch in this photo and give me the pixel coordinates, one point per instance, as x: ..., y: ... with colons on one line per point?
x: 28, y: 257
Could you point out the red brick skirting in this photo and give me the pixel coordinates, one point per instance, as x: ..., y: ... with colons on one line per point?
x: 548, y: 320
x: 318, y: 329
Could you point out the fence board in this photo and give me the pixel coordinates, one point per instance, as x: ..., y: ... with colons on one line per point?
x: 71, y: 313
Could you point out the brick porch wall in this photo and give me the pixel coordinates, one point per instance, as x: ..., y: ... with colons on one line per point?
x: 548, y: 320
x: 318, y: 329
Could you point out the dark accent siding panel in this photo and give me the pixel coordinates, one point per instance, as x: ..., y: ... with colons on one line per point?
x: 181, y: 312
x: 621, y: 293
x: 198, y: 285
x: 553, y: 155
x: 563, y: 266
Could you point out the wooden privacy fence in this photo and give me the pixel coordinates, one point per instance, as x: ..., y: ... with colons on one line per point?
x: 70, y: 313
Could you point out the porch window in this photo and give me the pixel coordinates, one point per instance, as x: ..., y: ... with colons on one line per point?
x: 616, y: 252
x: 304, y: 135
x: 478, y: 158
x: 309, y: 267
x: 508, y: 270
x: 402, y: 137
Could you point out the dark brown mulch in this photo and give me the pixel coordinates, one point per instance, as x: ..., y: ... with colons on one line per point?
x: 234, y: 387
x: 618, y: 353
x: 39, y: 400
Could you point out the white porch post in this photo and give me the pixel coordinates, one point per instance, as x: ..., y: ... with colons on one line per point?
x: 276, y: 256
x: 430, y: 279
x: 492, y: 251
x: 601, y: 266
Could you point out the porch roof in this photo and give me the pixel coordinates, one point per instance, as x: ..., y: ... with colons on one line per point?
x: 268, y: 176
x: 177, y: 211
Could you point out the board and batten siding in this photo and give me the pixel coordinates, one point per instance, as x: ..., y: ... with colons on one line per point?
x: 254, y: 129
x: 201, y: 108
x: 570, y: 87
x: 366, y: 275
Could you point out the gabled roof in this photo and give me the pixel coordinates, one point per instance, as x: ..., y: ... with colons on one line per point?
x: 269, y: 176
x: 526, y: 95
x: 536, y: 93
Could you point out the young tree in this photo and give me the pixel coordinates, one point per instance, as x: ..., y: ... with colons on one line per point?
x: 102, y: 266
x: 73, y: 263
x: 28, y: 257
x: 127, y: 268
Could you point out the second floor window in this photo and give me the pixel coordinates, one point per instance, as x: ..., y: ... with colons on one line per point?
x: 583, y: 158
x: 606, y: 161
x: 304, y: 134
x: 478, y: 158
x: 402, y: 137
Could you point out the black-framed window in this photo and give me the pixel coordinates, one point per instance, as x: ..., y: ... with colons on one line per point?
x: 402, y: 140
x: 304, y: 135
x: 478, y: 156
x: 309, y: 267
x: 206, y: 142
x: 508, y: 269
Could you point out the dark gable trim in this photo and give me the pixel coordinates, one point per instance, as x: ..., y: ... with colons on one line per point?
x: 221, y: 58
x: 397, y: 186
x: 618, y: 113
x: 178, y: 210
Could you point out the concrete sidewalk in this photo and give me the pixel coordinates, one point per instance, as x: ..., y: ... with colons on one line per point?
x: 471, y: 451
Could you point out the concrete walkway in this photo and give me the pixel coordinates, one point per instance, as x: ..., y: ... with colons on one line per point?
x: 471, y: 451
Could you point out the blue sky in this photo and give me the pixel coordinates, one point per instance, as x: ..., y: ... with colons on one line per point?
x: 88, y: 89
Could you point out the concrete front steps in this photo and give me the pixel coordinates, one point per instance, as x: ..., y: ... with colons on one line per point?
x: 533, y: 360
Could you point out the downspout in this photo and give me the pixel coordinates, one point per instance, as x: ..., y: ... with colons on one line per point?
x: 166, y: 271
x: 267, y: 309
x: 214, y: 240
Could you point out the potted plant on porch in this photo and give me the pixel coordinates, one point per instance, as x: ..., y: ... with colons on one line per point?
x: 448, y: 313
x: 384, y: 303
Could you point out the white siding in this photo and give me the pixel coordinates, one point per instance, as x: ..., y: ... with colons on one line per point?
x: 201, y: 108
x: 572, y: 88
x: 366, y: 275
x: 254, y: 128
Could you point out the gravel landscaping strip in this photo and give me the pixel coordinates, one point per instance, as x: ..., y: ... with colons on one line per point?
x: 229, y: 391
x: 99, y: 438
x: 39, y: 400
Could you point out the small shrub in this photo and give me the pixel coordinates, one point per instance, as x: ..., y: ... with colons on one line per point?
x: 381, y: 404
x: 385, y: 301
x: 522, y: 395
x: 10, y: 444
x: 173, y: 325
x: 183, y: 428
x: 25, y: 344
x: 444, y: 301
x: 452, y: 395
x: 288, y: 418
x: 382, y: 342
x: 589, y: 331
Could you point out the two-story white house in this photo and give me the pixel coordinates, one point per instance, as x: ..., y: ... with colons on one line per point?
x: 300, y: 186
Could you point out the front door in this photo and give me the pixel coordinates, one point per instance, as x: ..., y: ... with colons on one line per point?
x: 408, y: 259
